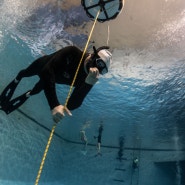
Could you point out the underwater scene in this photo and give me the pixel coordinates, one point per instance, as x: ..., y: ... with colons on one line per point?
x: 130, y: 128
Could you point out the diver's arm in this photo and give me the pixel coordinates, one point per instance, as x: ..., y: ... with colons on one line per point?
x: 78, y: 95
x: 80, y: 92
x: 48, y: 78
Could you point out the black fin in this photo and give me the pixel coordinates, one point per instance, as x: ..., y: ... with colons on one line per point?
x: 15, y: 103
x: 7, y: 93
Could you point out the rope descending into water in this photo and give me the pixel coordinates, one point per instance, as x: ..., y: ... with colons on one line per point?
x: 65, y: 105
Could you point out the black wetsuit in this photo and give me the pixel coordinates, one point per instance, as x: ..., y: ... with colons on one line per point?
x: 59, y: 67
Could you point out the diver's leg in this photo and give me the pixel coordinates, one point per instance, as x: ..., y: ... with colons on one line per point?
x: 31, y: 70
x: 10, y: 88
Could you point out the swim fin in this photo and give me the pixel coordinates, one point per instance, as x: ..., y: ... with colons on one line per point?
x: 14, y: 104
x: 7, y: 93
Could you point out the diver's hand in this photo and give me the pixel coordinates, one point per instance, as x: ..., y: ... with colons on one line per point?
x: 59, y: 112
x: 93, y: 75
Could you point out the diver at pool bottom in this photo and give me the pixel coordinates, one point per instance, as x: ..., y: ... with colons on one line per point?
x: 99, y: 137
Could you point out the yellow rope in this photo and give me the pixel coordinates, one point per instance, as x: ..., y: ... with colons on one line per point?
x: 45, y: 153
x: 71, y: 87
x: 67, y: 99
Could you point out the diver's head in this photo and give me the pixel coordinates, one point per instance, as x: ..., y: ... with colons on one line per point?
x: 101, y: 59
x: 104, y: 61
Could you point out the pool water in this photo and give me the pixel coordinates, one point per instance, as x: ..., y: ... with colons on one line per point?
x: 141, y: 99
